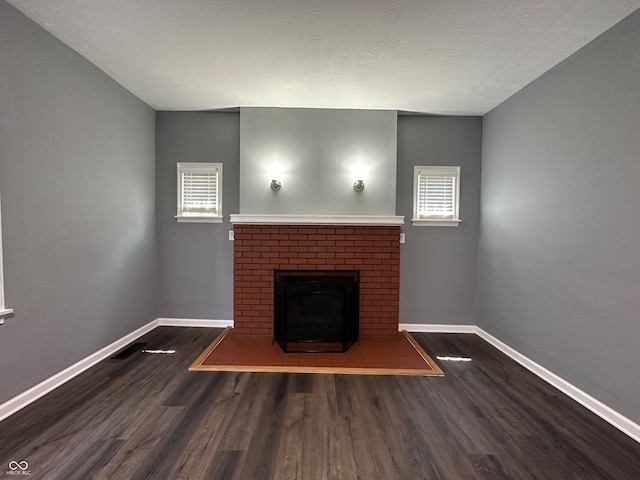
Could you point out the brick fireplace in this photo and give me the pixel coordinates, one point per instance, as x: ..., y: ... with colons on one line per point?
x: 261, y: 249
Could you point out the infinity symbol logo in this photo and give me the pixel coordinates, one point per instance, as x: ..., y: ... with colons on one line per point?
x: 23, y: 465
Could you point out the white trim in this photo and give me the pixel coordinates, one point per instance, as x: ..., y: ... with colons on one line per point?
x: 622, y: 423
x: 34, y: 393
x: 436, y: 328
x: 194, y: 219
x: 435, y: 220
x: 184, y: 214
x: 605, y: 412
x: 266, y: 219
x: 3, y: 311
x: 193, y: 322
x: 421, y: 222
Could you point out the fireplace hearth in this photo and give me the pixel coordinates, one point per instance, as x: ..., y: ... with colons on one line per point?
x: 316, y: 311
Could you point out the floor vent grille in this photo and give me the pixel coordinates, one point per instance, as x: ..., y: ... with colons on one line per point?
x: 127, y: 351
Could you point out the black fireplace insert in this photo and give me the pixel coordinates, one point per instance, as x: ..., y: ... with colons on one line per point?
x: 316, y: 311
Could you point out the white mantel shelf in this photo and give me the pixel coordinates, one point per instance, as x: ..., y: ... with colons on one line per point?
x: 265, y: 219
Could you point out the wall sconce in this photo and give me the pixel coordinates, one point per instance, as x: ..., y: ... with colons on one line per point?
x: 358, y: 185
x: 276, y: 185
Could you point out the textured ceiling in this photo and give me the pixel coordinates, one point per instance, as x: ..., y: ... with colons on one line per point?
x: 432, y: 56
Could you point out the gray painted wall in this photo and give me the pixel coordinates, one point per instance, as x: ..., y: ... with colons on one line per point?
x: 195, y: 260
x: 438, y: 264
x: 319, y: 154
x: 559, y: 250
x: 78, y: 185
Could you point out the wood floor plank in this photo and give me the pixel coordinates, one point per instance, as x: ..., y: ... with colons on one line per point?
x: 328, y: 449
x: 224, y: 465
x: 204, y: 449
x: 289, y: 458
x: 267, y: 432
x: 147, y: 417
x: 141, y: 444
x: 166, y: 455
x: 91, y: 465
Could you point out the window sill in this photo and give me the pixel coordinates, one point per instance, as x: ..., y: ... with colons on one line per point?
x: 4, y: 312
x: 432, y: 222
x: 195, y: 219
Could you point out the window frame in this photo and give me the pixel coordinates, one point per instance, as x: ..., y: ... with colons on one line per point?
x: 436, y: 171
x: 4, y: 311
x: 191, y: 167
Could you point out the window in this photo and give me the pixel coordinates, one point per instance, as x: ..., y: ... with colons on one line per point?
x: 436, y: 196
x: 199, y: 192
x: 3, y: 310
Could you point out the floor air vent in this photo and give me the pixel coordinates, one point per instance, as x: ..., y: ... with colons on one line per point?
x: 128, y: 351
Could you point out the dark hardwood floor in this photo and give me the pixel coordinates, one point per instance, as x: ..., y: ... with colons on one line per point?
x: 147, y: 417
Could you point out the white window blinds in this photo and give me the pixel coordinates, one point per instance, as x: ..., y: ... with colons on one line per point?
x: 199, y: 191
x: 436, y: 194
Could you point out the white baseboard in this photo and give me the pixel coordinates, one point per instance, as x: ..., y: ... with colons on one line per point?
x: 193, y: 322
x: 436, y: 328
x: 619, y: 421
x: 29, y: 396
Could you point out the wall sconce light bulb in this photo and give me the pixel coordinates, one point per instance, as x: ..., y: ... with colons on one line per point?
x: 358, y: 185
x: 276, y: 185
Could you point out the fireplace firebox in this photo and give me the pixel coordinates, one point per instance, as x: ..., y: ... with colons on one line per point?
x: 316, y: 311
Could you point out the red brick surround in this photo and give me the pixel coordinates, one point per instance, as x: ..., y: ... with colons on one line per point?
x: 261, y: 249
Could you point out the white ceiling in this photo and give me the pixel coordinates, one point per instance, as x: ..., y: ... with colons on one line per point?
x: 433, y: 56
